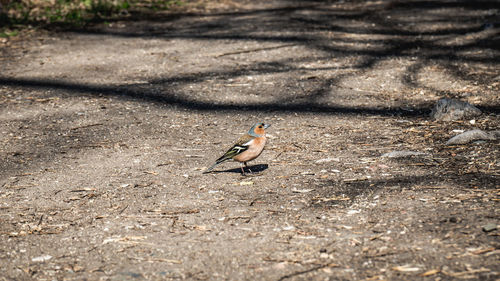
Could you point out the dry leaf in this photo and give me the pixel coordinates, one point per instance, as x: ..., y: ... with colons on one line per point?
x: 430, y: 272
x: 482, y: 251
x: 302, y: 190
x: 405, y: 268
x: 246, y: 183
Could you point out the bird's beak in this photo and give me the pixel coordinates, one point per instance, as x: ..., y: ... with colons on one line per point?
x: 267, y: 126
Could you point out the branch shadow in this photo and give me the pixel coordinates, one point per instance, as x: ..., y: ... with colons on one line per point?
x: 353, y: 190
x: 165, y: 98
x: 319, y: 26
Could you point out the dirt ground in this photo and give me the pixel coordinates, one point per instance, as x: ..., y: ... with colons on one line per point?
x: 105, y: 132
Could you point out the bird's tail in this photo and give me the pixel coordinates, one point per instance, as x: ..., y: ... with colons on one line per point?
x: 212, y: 167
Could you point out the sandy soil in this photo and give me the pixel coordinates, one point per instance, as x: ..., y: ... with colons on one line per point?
x: 105, y: 132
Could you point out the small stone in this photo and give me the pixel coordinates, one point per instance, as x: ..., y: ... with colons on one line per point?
x: 470, y: 136
x: 280, y: 266
x: 452, y: 109
x: 495, y: 134
x: 352, y: 212
x: 489, y: 227
x: 41, y: 258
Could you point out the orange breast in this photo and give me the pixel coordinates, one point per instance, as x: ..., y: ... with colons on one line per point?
x: 259, y: 131
x: 255, y: 149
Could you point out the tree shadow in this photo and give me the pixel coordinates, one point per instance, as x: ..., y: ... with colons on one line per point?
x: 323, y: 27
x: 360, y: 34
x: 339, y: 189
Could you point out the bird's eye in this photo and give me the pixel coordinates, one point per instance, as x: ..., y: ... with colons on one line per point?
x: 260, y: 126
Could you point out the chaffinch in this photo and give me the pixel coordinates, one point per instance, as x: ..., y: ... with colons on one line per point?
x: 247, y: 148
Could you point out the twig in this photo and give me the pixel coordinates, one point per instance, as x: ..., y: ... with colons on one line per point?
x: 170, y: 213
x: 282, y: 260
x: 83, y: 190
x: 255, y: 50
x: 86, y: 126
x: 19, y: 186
x: 248, y: 218
x: 191, y: 211
x: 122, y: 210
x: 156, y: 260
x: 307, y: 271
x: 40, y: 220
x: 462, y: 273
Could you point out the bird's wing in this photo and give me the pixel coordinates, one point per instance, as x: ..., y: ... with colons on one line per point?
x: 240, y: 146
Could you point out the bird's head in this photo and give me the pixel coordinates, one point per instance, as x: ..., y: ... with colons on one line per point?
x: 258, y: 130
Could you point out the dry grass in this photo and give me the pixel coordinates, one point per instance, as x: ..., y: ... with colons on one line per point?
x: 78, y: 12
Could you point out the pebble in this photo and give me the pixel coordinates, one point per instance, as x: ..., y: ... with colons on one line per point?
x: 489, y: 227
x: 352, y: 212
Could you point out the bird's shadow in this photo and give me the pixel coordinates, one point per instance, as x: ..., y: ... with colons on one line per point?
x: 254, y: 169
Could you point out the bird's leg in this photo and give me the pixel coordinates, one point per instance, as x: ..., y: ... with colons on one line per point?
x: 248, y: 168
x: 242, y: 170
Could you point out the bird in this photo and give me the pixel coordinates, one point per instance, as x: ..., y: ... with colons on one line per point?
x: 247, y: 148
